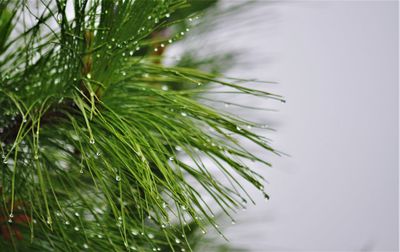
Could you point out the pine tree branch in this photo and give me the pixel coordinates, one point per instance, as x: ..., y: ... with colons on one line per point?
x: 97, y: 131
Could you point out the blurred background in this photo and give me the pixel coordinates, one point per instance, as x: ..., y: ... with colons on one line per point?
x: 336, y: 64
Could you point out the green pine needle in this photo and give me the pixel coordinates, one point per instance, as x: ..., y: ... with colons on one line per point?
x: 95, y: 130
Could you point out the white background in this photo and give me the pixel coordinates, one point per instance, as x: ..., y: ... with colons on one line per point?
x: 337, y: 66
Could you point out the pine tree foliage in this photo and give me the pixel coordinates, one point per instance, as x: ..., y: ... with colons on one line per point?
x: 93, y: 128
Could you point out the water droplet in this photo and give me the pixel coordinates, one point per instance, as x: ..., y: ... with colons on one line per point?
x: 177, y: 240
x: 167, y: 15
x: 36, y: 157
x: 99, y: 236
x: 77, y: 214
x: 89, y: 76
x: 233, y: 222
x: 98, y: 153
x: 85, y: 246
x: 183, y: 114
x: 171, y: 158
x: 131, y: 53
x: 123, y: 73
x: 10, y: 220
x: 11, y: 215
x: 164, y: 87
x: 150, y: 235
x: 149, y: 17
x: 249, y: 126
x: 117, y: 178
x: 5, y: 160
x: 178, y: 148
x: 183, y: 250
x: 76, y: 228
x: 59, y: 18
x: 91, y: 141
x: 113, y: 39
x: 238, y: 128
x: 134, y: 232
x: 66, y: 222
x: 203, y: 231
x: 133, y: 248
x: 170, y: 41
x: 49, y: 220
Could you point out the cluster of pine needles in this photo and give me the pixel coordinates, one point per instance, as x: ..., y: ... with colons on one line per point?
x: 96, y: 132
